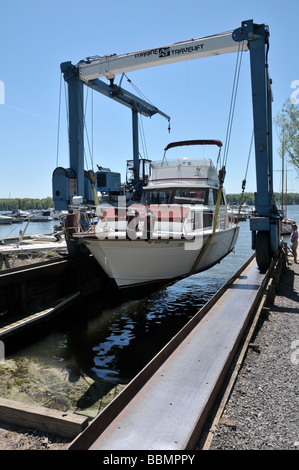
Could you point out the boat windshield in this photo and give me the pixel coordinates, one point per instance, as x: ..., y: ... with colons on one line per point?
x: 191, y: 196
x: 179, y: 196
x: 157, y: 196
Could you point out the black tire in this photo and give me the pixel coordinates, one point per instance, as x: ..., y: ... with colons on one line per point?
x: 262, y: 250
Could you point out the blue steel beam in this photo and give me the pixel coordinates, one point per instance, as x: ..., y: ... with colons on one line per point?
x: 257, y: 35
x: 76, y: 123
x: 267, y: 219
x: 135, y: 148
x: 124, y: 97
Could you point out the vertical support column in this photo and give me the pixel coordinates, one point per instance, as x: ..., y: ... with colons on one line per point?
x: 76, y: 123
x: 135, y: 147
x: 262, y: 124
x: 270, y: 139
x: 264, y: 227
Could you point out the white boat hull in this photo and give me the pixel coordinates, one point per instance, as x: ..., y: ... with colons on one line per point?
x: 286, y: 229
x: 5, y: 219
x: 133, y: 263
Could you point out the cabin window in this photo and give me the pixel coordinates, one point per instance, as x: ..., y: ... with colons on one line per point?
x: 202, y: 219
x: 156, y: 197
x: 191, y: 196
x: 207, y: 219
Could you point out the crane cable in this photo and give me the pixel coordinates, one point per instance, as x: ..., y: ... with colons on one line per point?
x: 233, y: 102
x: 141, y: 128
x: 243, y: 188
x: 222, y: 171
x: 244, y: 180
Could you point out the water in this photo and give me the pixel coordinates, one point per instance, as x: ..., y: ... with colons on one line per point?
x: 109, y: 342
x: 13, y: 230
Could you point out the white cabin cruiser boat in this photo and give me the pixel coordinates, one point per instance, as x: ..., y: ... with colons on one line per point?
x: 180, y: 227
x: 41, y: 216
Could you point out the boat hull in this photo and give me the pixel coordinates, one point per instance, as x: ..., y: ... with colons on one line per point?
x: 139, y: 263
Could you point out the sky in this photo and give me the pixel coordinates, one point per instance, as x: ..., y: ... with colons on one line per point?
x: 36, y: 36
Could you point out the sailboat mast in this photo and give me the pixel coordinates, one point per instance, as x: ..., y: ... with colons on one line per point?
x: 286, y: 192
x: 282, y: 180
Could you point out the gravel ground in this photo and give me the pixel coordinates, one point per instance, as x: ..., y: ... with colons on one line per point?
x: 263, y: 410
x: 18, y: 438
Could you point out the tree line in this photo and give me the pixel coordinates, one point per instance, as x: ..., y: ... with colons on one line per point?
x: 249, y: 198
x: 26, y: 204
x: 43, y: 204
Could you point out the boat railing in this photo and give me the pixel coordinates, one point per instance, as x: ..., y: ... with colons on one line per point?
x: 81, y: 219
x: 203, y: 162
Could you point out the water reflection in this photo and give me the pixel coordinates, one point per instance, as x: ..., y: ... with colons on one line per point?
x: 117, y: 343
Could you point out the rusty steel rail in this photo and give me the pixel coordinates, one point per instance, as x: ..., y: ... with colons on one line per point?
x: 165, y: 406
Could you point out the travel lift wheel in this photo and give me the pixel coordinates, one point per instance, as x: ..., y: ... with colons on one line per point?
x: 262, y: 250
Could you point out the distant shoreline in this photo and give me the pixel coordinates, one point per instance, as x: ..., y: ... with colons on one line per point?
x: 10, y: 204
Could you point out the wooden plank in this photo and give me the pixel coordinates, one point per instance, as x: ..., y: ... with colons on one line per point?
x: 44, y: 419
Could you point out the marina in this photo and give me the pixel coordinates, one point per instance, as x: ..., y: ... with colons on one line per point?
x: 131, y: 320
x: 103, y: 364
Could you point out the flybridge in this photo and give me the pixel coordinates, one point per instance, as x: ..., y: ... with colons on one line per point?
x: 109, y: 66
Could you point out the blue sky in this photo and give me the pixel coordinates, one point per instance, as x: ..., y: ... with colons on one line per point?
x: 36, y: 36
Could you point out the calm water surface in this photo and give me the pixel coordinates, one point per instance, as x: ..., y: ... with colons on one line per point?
x: 13, y: 230
x: 111, y: 342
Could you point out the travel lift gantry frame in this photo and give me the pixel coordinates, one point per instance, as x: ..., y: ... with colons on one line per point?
x: 265, y: 226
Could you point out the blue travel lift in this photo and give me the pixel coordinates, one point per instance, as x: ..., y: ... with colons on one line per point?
x: 265, y: 225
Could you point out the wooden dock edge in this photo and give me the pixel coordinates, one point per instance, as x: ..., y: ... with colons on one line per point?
x: 58, y: 423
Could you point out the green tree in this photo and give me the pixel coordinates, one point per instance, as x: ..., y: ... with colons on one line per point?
x: 26, y: 204
x: 287, y: 126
